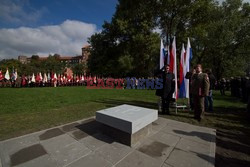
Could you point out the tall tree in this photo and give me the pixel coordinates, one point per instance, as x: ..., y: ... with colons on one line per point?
x: 127, y: 45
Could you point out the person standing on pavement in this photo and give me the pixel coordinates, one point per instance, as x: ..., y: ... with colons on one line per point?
x: 200, y: 89
x: 168, y: 89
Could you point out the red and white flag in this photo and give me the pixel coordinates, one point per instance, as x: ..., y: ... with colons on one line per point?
x: 173, y: 66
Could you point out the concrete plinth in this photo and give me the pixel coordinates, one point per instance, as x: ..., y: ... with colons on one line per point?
x: 126, y: 123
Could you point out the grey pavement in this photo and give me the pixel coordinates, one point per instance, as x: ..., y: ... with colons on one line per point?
x: 82, y: 143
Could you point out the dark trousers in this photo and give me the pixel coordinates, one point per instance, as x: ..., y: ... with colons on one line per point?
x: 198, y: 107
x: 165, y: 105
x: 209, y: 102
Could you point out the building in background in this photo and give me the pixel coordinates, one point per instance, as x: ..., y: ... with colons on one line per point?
x: 68, y: 60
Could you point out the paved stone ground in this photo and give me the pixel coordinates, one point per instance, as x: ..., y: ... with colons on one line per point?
x: 81, y: 143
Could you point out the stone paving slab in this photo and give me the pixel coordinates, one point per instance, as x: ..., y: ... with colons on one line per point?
x: 180, y: 158
x: 82, y: 143
x: 114, y: 152
x: 138, y: 159
x: 91, y: 160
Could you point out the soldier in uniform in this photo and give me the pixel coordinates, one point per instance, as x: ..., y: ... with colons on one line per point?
x: 200, y: 89
x: 167, y: 91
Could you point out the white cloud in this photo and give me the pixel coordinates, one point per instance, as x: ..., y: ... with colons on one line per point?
x: 19, y: 12
x: 65, y: 39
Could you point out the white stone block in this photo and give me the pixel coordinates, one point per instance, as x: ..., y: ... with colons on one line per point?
x: 127, y: 118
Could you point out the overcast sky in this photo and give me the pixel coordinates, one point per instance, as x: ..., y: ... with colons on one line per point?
x: 45, y: 27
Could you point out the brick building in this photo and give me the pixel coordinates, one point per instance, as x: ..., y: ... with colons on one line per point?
x: 63, y: 59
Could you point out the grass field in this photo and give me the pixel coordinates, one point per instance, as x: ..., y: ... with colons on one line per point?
x: 27, y: 110
x: 30, y: 109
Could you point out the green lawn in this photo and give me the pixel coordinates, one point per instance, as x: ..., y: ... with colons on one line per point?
x: 25, y: 110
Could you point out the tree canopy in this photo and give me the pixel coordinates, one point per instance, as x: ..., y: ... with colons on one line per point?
x: 129, y: 45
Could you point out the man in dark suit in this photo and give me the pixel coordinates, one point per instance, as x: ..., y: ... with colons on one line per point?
x: 200, y: 89
x: 167, y: 91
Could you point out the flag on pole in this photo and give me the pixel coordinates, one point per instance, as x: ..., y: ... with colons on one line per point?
x: 38, y: 79
x: 45, y: 79
x: 1, y: 75
x: 33, y: 78
x: 16, y: 74
x: 41, y: 77
x: 13, y: 75
x: 49, y: 77
x: 162, y: 55
x: 7, y: 75
x: 187, y: 66
x: 55, y: 77
x: 173, y: 66
x: 182, y: 92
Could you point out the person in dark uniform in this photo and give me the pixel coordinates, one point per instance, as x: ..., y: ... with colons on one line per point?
x: 168, y: 89
x: 200, y: 89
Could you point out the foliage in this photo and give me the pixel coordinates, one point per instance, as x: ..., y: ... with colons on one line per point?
x: 219, y: 35
x: 127, y: 45
x: 51, y: 64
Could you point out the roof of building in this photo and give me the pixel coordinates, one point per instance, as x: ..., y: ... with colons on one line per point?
x: 86, y: 46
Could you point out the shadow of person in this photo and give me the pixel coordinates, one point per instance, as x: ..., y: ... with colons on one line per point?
x: 202, y: 135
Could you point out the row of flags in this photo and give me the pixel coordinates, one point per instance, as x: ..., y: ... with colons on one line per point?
x: 7, y: 75
x: 48, y: 77
x: 168, y: 56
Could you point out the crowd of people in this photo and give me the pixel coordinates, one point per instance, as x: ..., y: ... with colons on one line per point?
x: 202, y: 85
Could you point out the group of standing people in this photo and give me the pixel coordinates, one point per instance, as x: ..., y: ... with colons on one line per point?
x: 200, y: 89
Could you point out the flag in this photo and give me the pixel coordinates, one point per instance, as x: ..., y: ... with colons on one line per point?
x: 41, y: 77
x: 54, y: 77
x: 182, y: 92
x: 45, y: 79
x: 38, y: 79
x: 7, y: 75
x: 1, y: 75
x: 14, y: 75
x: 33, y: 78
x: 173, y: 66
x: 162, y: 55
x: 167, y: 56
x: 49, y: 78
x: 187, y: 66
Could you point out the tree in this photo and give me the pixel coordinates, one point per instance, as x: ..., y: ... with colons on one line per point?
x: 219, y: 36
x: 79, y: 69
x: 127, y: 45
